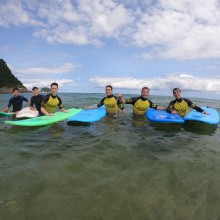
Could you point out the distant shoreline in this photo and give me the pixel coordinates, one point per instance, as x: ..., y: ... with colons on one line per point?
x: 9, y: 90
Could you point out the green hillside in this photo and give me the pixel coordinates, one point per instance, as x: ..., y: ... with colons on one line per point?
x: 7, y: 79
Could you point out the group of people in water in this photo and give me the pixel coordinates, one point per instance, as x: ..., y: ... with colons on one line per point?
x: 46, y: 105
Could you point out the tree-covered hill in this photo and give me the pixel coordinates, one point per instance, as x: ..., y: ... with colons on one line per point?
x: 7, y: 79
x: 45, y: 89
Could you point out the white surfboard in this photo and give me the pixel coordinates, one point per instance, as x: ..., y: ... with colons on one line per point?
x: 27, y: 113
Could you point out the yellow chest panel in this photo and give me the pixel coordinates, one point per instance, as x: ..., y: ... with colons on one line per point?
x: 140, y: 107
x: 52, y: 104
x: 182, y: 108
x: 111, y: 105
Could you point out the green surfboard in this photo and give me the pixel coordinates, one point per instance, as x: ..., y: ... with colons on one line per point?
x: 46, y: 120
x: 6, y: 114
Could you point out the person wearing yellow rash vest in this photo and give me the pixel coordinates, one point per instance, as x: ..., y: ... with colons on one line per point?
x: 51, y: 101
x: 181, y: 105
x: 111, y: 102
x: 141, y: 103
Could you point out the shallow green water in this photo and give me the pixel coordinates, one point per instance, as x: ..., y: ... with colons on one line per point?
x: 117, y: 168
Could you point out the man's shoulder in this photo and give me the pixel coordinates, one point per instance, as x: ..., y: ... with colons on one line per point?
x: 173, y: 101
x: 148, y: 100
x: 136, y: 98
x: 58, y: 97
x: 104, y: 98
x: 187, y: 100
x: 22, y: 97
x: 39, y: 96
x: 11, y: 99
x: 47, y: 95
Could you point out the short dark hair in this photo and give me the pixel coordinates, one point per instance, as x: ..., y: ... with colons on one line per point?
x: 15, y: 89
x: 145, y: 87
x: 109, y: 86
x: 176, y: 89
x: 34, y: 88
x: 54, y: 84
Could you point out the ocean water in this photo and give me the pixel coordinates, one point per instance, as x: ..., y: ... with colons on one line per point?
x: 118, y: 168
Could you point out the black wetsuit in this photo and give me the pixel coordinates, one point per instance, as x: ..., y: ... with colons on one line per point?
x: 17, y: 102
x: 112, y: 104
x: 182, y: 106
x: 140, y: 105
x: 37, y: 100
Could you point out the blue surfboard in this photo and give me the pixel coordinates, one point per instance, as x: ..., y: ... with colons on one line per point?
x: 163, y: 116
x: 88, y: 116
x: 212, y: 118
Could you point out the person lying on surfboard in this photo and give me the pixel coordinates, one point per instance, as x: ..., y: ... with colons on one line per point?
x: 36, y: 100
x: 181, y: 105
x: 16, y: 101
x: 111, y: 102
x: 141, y: 103
x: 51, y: 101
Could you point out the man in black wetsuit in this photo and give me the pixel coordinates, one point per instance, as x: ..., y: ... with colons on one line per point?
x: 141, y: 103
x: 36, y: 100
x: 111, y: 102
x: 16, y: 101
x: 181, y: 105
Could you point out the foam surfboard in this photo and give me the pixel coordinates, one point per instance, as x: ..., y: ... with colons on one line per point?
x: 212, y: 118
x: 88, y: 116
x: 45, y: 120
x: 27, y: 113
x: 6, y: 114
x: 163, y: 116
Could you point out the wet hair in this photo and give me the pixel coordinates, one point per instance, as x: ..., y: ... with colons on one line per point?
x: 145, y: 87
x: 34, y: 88
x: 176, y: 89
x: 109, y: 87
x: 54, y: 84
x: 15, y: 89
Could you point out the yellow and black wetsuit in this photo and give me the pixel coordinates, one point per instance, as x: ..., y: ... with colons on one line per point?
x: 140, y: 105
x: 182, y: 106
x: 112, y: 104
x: 51, y: 102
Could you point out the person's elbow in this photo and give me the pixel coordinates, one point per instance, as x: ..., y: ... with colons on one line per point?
x: 168, y: 110
x: 160, y: 108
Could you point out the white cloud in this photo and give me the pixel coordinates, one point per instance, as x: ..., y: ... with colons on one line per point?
x: 166, y: 29
x: 6, y: 48
x: 17, y: 13
x: 82, y: 23
x: 184, y: 81
x: 63, y: 83
x: 41, y: 76
x: 181, y: 29
x: 65, y: 68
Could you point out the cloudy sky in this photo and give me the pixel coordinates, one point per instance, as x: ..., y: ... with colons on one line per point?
x: 84, y: 45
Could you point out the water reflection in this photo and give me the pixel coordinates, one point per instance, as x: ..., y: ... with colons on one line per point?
x: 200, y: 128
x: 121, y: 167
